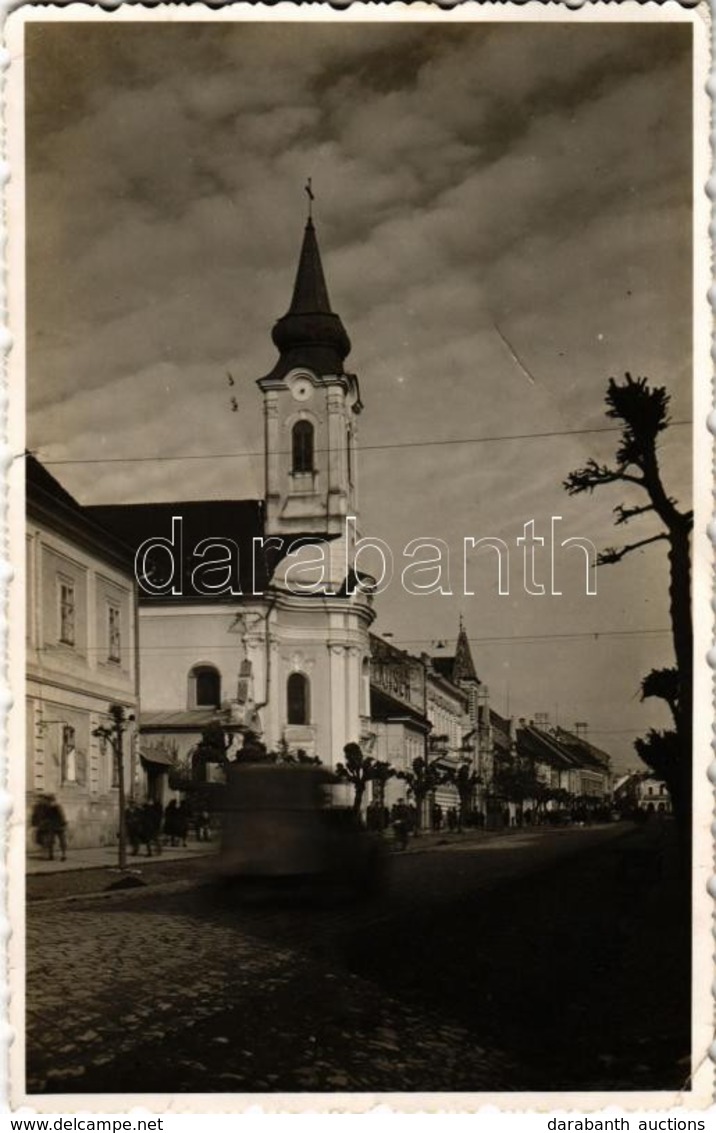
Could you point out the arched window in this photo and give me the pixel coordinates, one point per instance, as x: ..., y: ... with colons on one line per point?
x: 298, y: 699
x: 302, y: 447
x: 206, y: 681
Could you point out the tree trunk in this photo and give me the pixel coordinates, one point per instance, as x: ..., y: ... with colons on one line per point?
x: 682, y: 631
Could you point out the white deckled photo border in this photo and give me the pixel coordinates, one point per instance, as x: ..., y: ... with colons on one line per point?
x: 700, y: 1095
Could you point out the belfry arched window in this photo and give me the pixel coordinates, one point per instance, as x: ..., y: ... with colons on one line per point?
x: 298, y: 699
x: 205, y: 686
x: 302, y: 446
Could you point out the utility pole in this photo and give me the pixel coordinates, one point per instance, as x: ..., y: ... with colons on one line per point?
x: 115, y: 736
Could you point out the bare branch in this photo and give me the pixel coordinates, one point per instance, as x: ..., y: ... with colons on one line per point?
x: 624, y: 514
x: 593, y: 475
x: 616, y: 554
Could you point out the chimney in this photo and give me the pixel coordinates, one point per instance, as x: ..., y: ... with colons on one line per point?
x: 580, y: 729
x: 541, y: 719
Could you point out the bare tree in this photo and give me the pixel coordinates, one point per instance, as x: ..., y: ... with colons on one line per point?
x: 643, y: 411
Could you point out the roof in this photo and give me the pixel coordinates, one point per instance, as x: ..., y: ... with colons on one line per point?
x: 158, y: 755
x: 464, y: 666
x: 189, y: 719
x: 233, y: 523
x: 382, y: 650
x: 537, y: 745
x: 310, y: 333
x: 48, y: 501
x: 559, y: 749
x: 586, y: 752
x: 501, y: 736
x: 444, y: 666
x: 385, y: 707
x: 458, y: 667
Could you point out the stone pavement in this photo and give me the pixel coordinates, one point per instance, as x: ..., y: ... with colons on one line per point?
x: 143, y: 997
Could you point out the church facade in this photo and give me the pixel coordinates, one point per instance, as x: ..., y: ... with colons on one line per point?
x: 256, y: 640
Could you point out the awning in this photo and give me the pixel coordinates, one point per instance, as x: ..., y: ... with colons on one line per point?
x: 162, y: 758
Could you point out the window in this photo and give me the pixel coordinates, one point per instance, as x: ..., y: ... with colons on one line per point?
x: 207, y: 686
x: 298, y: 699
x: 114, y: 634
x: 365, y: 682
x: 108, y: 754
x: 349, y: 454
x: 68, y: 755
x: 67, y: 613
x: 302, y: 446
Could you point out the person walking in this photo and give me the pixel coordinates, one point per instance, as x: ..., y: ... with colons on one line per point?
x: 38, y: 821
x: 151, y: 825
x: 401, y: 823
x: 170, y: 823
x: 182, y: 818
x: 56, y: 827
x: 133, y: 823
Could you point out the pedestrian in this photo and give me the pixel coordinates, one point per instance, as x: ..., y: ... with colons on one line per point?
x: 203, y: 831
x: 133, y: 825
x: 170, y: 823
x: 56, y: 827
x: 183, y: 815
x: 151, y: 826
x: 401, y: 823
x: 437, y: 817
x: 38, y: 821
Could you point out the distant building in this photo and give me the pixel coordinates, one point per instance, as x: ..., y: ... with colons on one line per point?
x: 418, y: 710
x: 653, y: 795
x: 566, y: 764
x: 81, y: 644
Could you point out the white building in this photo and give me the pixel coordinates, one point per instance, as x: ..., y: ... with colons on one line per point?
x: 81, y: 658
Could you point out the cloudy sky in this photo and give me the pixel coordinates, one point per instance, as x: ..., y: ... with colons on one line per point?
x: 534, y: 178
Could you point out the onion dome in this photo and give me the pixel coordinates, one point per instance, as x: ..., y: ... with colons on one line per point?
x: 310, y: 334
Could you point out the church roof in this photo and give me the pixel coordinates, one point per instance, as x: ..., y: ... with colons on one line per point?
x: 310, y: 334
x: 238, y: 521
x: 310, y: 294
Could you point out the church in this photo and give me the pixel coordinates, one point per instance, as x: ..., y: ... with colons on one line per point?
x: 239, y: 641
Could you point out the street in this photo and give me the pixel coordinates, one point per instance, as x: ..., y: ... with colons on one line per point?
x: 504, y: 963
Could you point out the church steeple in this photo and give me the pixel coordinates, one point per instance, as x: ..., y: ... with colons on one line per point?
x: 310, y: 334
x: 463, y: 666
x: 310, y: 407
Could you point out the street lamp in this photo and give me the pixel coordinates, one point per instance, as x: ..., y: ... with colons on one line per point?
x: 115, y: 736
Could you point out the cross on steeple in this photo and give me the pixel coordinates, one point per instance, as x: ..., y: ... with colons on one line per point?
x: 309, y: 193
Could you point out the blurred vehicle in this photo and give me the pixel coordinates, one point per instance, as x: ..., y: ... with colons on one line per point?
x: 280, y: 826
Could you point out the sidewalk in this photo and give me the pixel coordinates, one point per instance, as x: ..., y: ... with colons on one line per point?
x: 107, y: 857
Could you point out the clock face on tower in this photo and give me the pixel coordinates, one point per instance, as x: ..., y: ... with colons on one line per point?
x: 302, y: 389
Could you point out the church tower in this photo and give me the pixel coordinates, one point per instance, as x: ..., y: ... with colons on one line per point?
x: 318, y: 642
x: 310, y: 408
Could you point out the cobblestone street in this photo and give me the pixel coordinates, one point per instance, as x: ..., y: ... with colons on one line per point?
x: 186, y: 989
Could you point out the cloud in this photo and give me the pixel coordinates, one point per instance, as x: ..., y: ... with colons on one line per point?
x: 536, y: 176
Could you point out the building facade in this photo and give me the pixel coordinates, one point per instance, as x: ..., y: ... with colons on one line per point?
x: 81, y: 649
